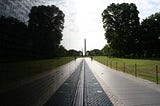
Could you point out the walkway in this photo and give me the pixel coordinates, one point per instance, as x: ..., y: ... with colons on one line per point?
x: 82, y: 82
x: 129, y: 90
x: 76, y: 93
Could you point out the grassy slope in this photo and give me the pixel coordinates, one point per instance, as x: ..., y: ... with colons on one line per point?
x: 14, y: 71
x: 145, y: 68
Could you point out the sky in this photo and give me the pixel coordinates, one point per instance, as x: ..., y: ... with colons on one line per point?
x: 83, y: 20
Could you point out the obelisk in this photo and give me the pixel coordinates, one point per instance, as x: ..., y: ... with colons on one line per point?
x: 84, y: 47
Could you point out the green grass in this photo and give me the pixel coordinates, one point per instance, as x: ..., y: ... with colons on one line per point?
x: 145, y: 68
x: 14, y: 71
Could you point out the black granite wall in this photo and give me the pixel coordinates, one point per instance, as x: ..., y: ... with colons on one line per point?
x: 21, y: 8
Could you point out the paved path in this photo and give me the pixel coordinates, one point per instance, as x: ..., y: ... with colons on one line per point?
x: 94, y: 94
x: 70, y: 85
x: 82, y: 82
x: 129, y: 90
x: 89, y: 94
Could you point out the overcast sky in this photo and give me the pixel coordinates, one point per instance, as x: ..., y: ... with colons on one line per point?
x: 83, y: 20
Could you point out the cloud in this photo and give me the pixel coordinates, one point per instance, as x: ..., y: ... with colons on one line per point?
x: 146, y: 8
x: 83, y: 20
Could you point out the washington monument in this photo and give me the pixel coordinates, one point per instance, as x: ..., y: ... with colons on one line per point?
x: 84, y: 47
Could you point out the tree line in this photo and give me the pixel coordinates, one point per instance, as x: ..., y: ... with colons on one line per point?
x: 39, y: 39
x: 128, y: 37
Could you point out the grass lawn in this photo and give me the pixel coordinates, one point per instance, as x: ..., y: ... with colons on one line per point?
x: 14, y: 71
x: 144, y: 68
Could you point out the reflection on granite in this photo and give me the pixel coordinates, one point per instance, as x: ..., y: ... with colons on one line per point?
x: 21, y: 8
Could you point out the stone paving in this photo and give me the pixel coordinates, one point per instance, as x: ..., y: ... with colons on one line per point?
x: 91, y: 81
x: 126, y: 89
x: 93, y: 94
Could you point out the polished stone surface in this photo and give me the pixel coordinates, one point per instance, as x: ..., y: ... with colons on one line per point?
x: 36, y: 91
x: 21, y: 8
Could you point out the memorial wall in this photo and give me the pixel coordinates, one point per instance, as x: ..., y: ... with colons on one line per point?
x: 21, y: 8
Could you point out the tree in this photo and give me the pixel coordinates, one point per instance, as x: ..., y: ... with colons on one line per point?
x: 121, y: 25
x: 106, y: 50
x: 94, y: 52
x: 61, y: 51
x: 46, y: 25
x: 73, y: 52
x: 14, y: 42
x: 151, y: 35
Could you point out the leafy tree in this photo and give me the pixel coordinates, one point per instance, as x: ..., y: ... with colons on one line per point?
x: 73, y: 52
x: 121, y: 24
x: 106, y: 50
x: 151, y: 35
x: 61, y: 51
x: 46, y: 25
x: 94, y: 52
x: 14, y: 42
